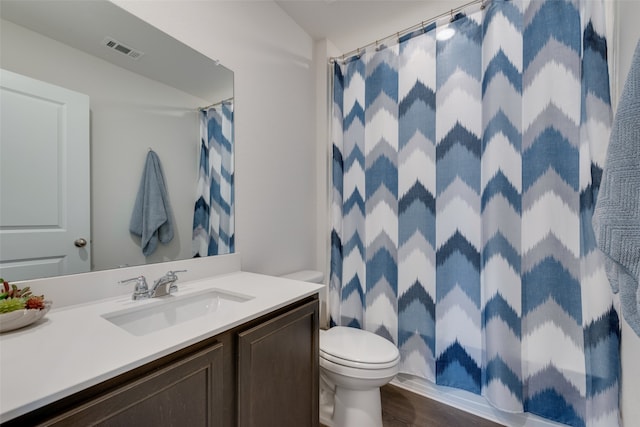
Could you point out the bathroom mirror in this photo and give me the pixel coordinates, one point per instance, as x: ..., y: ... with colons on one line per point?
x: 145, y: 92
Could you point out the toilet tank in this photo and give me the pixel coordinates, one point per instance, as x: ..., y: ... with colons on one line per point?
x: 306, y: 276
x: 313, y: 277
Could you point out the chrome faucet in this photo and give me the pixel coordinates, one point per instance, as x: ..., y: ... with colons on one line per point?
x: 141, y: 290
x: 161, y: 287
x: 166, y: 284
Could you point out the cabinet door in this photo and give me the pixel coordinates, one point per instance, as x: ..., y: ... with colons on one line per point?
x: 185, y: 393
x: 278, y: 371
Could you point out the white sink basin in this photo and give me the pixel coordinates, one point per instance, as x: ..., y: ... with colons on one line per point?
x: 172, y: 310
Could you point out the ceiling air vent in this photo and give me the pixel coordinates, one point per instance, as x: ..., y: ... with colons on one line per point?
x: 123, y: 49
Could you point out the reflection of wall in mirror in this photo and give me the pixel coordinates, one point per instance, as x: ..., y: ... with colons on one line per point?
x: 129, y: 114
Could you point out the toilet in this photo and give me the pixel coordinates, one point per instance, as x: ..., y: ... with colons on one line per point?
x: 354, y: 364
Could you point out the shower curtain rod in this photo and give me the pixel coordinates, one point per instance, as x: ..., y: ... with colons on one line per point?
x: 215, y: 103
x: 408, y: 30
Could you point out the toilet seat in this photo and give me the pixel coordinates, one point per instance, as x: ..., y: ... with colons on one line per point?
x: 361, y: 374
x: 355, y: 348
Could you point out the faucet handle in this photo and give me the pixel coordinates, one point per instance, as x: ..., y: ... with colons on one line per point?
x: 171, y: 275
x: 173, y: 272
x: 141, y: 289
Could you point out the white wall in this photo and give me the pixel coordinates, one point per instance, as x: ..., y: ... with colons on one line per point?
x: 323, y: 49
x: 129, y: 114
x: 627, y: 38
x: 274, y: 114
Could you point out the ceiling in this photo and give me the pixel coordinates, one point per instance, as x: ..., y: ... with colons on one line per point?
x: 350, y: 24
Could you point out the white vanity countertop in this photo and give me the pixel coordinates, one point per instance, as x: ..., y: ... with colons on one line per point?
x: 74, y: 348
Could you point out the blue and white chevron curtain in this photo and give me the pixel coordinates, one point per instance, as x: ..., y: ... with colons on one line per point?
x: 465, y: 173
x: 213, y: 219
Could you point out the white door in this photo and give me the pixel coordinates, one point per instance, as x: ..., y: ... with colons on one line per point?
x: 44, y: 179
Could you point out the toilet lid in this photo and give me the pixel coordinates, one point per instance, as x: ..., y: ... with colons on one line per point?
x: 351, y: 346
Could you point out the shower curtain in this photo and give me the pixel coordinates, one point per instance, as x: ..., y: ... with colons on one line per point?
x: 465, y: 171
x: 213, y: 219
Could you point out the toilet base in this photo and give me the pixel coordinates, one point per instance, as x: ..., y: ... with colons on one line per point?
x: 353, y: 408
x: 326, y: 414
x: 327, y: 391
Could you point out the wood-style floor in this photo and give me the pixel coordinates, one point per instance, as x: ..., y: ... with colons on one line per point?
x: 401, y: 408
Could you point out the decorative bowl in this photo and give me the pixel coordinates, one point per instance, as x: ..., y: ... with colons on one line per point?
x: 20, y: 318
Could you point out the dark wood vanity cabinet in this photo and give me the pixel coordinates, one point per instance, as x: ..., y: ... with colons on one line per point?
x: 187, y: 392
x: 263, y: 373
x: 278, y: 371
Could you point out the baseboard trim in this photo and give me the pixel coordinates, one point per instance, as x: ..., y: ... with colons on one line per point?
x: 469, y: 402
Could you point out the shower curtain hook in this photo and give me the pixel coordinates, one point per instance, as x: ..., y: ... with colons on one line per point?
x: 482, y: 5
x: 451, y: 18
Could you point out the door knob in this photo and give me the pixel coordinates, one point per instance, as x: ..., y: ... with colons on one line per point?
x: 80, y: 243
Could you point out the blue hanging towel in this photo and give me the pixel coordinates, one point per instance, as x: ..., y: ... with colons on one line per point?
x: 617, y: 215
x: 151, y: 219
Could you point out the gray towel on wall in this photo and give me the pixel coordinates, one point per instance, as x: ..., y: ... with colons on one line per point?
x: 151, y: 218
x: 616, y: 220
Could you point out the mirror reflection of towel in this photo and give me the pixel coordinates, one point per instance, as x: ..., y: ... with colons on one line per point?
x: 151, y: 218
